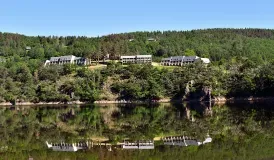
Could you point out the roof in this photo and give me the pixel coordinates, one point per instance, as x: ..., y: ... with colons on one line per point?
x: 62, y: 58
x: 142, y: 56
x: 177, y: 58
x: 127, y: 57
x: 54, y: 58
x: 182, y: 58
x: 191, y: 57
x: 76, y: 58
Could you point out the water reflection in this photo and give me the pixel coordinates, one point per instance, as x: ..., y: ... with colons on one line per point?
x: 68, y: 147
x: 185, y: 141
x: 129, y: 144
x: 140, y: 144
x: 27, y: 128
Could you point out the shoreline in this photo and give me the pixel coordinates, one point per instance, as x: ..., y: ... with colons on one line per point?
x: 216, y: 100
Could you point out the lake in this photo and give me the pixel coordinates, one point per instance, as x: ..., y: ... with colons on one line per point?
x: 238, y: 131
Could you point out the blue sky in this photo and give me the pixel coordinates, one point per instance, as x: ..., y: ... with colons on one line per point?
x: 101, y: 17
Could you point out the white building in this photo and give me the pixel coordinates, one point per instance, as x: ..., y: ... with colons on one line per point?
x: 137, y: 59
x: 205, y: 60
x: 66, y: 60
x: 181, y: 60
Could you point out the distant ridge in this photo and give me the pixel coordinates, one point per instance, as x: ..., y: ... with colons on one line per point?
x: 214, y: 43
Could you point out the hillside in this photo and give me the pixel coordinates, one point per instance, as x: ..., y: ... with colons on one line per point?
x: 216, y: 44
x: 242, y: 67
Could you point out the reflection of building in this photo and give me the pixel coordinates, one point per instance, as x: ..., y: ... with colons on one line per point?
x: 138, y: 59
x: 181, y: 141
x: 138, y: 145
x: 182, y: 60
x: 184, y: 141
x: 67, y: 60
x: 207, y: 140
x: 67, y: 147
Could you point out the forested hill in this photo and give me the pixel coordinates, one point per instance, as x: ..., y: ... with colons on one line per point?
x: 242, y: 66
x: 216, y: 44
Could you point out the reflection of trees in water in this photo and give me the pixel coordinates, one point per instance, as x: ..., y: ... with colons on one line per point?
x: 108, y: 114
x: 200, y: 110
x: 29, y: 127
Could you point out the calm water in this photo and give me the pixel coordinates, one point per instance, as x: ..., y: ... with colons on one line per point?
x: 239, y: 131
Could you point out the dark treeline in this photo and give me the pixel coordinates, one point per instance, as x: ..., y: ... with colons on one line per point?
x: 216, y: 44
x: 242, y: 66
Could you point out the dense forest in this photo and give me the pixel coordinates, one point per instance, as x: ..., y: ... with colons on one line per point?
x: 216, y: 44
x: 242, y: 66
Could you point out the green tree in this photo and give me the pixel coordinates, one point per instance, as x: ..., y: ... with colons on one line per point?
x: 189, y: 52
